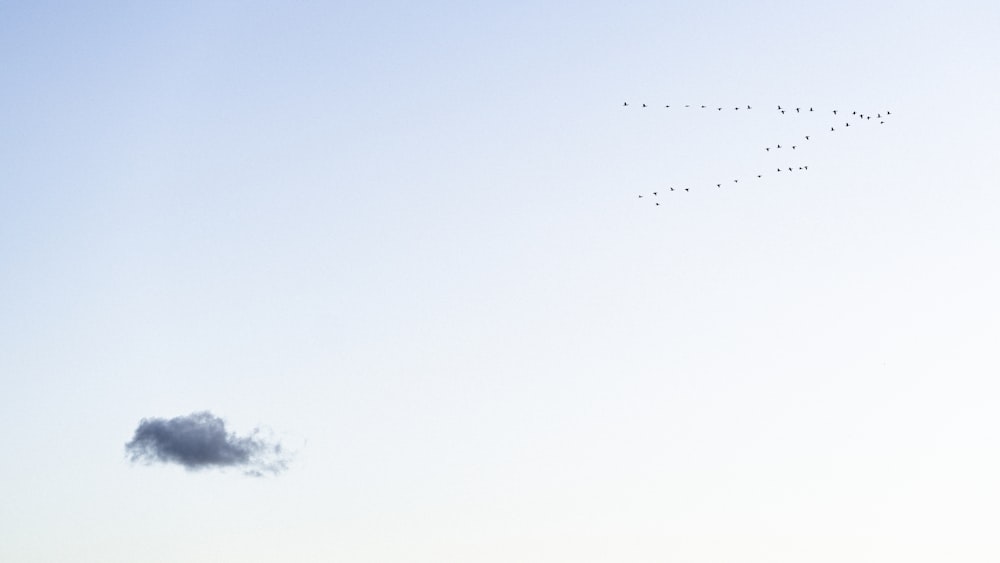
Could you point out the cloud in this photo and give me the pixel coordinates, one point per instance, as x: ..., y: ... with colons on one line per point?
x: 200, y: 441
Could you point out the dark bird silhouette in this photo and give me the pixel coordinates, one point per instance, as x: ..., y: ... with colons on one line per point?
x: 703, y: 107
x: 789, y: 168
x: 758, y: 175
x: 782, y: 112
x: 881, y: 123
x: 779, y: 146
x: 736, y: 181
x: 687, y: 189
x: 810, y: 109
x: 779, y: 170
x: 847, y: 125
x: 854, y: 113
x: 831, y: 129
x: 654, y: 193
x: 666, y: 106
x: 807, y: 137
x: 640, y: 196
x: 834, y: 112
x: 657, y: 203
x: 779, y: 108
x: 748, y: 107
x: 768, y: 149
x: 806, y: 167
x: 625, y: 104
x: 643, y: 105
x: 879, y: 116
x: 793, y: 147
x: 797, y: 110
x: 718, y: 185
x: 671, y: 189
x: 720, y: 109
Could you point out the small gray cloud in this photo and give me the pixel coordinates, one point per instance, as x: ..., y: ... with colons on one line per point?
x: 200, y: 441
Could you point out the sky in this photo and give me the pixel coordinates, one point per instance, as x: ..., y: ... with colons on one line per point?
x: 404, y: 241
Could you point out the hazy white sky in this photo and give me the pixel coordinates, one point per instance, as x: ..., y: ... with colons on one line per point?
x: 406, y: 237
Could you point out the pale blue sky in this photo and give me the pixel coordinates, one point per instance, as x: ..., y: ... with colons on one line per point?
x: 407, y: 239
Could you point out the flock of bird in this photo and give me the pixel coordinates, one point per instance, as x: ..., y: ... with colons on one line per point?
x: 856, y: 117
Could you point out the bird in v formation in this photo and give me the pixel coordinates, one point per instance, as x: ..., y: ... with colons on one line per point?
x: 782, y: 110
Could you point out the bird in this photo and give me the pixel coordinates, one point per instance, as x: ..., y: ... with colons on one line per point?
x: 643, y: 105
x: 834, y: 112
x: 779, y: 146
x: 687, y: 105
x: 831, y: 129
x: 718, y: 185
x: 671, y: 189
x: 789, y: 168
x: 736, y: 181
x: 654, y: 193
x: 666, y: 106
x: 625, y: 104
x: 854, y: 113
x: 703, y: 107
x: 879, y: 116
x: 881, y: 123
x: 720, y: 109
x: 806, y: 167
x: 687, y: 189
x: 657, y: 203
x: 847, y: 125
x: 782, y: 112
x: 640, y: 196
x: 758, y: 175
x: 797, y: 110
x: 888, y: 113
x: 810, y: 109
x: 748, y: 107
x: 779, y: 108
x: 779, y: 170
x: 768, y: 149
x: 793, y: 147
x: 807, y: 137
